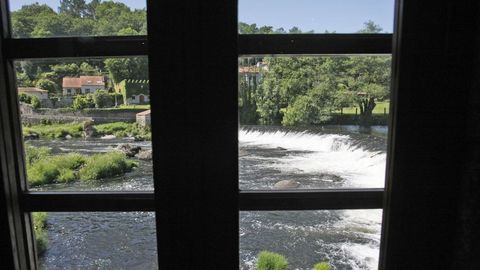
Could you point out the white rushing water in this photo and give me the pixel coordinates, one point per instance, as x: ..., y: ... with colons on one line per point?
x: 339, y: 155
x: 327, y: 153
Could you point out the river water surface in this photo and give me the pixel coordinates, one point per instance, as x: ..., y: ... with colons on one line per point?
x: 334, y: 157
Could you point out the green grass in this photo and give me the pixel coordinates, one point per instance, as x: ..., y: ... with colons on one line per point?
x: 271, y: 261
x: 39, y: 221
x: 122, y: 129
x: 143, y: 107
x: 106, y: 165
x: 322, y: 266
x: 70, y: 167
x: 55, y: 169
x: 55, y: 131
x: 119, y: 129
x: 34, y: 154
x: 379, y: 109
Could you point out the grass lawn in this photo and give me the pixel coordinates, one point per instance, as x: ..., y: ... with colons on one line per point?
x: 379, y: 109
x: 143, y: 107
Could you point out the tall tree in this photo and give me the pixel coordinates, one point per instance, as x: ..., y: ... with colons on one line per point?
x: 74, y: 8
x: 127, y: 68
x: 370, y: 27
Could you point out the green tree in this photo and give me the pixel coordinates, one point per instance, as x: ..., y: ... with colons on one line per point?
x: 73, y: 8
x: 366, y: 80
x: 127, y: 68
x: 247, y: 91
x: 22, y: 97
x: 89, y: 70
x: 370, y: 27
x: 23, y: 80
x: 26, y: 18
x: 48, y: 85
x: 102, y: 99
x: 313, y: 108
x: 285, y: 79
x: 35, y: 102
x: 83, y: 102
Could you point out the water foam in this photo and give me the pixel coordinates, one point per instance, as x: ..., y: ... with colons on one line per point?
x: 324, y: 153
x: 333, y: 154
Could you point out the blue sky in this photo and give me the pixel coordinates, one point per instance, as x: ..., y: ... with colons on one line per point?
x: 342, y: 16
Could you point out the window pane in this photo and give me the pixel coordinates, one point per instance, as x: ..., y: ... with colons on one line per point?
x: 313, y: 122
x: 315, y: 16
x: 86, y: 123
x: 40, y: 19
x: 96, y: 240
x: 345, y: 239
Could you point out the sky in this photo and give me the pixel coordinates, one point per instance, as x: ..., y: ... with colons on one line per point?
x: 342, y: 16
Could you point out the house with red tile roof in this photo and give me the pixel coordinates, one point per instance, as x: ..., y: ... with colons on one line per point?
x: 82, y: 85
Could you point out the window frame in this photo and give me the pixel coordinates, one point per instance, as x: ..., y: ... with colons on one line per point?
x: 22, y: 202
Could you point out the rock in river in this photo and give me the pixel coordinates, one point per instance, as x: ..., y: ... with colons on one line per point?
x: 286, y: 184
x: 145, y: 155
x: 129, y: 150
x: 31, y: 136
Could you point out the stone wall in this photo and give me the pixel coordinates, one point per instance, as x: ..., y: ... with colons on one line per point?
x: 97, y: 115
x: 54, y: 119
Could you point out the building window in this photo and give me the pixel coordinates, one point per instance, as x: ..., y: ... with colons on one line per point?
x: 107, y: 175
x: 197, y: 195
x: 307, y: 124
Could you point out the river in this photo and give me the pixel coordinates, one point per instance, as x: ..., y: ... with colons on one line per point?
x: 334, y: 157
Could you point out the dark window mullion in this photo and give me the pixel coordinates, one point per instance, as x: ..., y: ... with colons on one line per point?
x: 311, y: 200
x: 315, y: 44
x: 75, y: 47
x: 88, y: 201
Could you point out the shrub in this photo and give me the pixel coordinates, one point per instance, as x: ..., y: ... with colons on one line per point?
x: 55, y: 131
x: 122, y: 129
x: 106, y: 165
x: 52, y: 169
x: 322, y: 266
x: 39, y: 221
x: 35, y: 102
x: 271, y: 261
x: 25, y: 98
x: 34, y: 154
x: 47, y: 84
x: 83, y: 101
x: 102, y: 99
x: 42, y: 172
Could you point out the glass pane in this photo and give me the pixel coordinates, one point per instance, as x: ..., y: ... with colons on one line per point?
x: 315, y: 16
x: 46, y: 18
x: 344, y: 239
x: 96, y: 240
x: 313, y: 122
x: 86, y: 123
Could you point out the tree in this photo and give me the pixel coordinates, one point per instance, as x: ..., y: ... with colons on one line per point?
x: 102, y: 99
x: 35, y: 102
x: 48, y: 85
x: 313, y: 108
x: 83, y: 101
x: 247, y: 91
x: 74, y: 8
x: 25, y: 19
x: 23, y: 80
x: 285, y: 79
x: 370, y: 27
x: 89, y: 70
x: 127, y: 68
x: 366, y: 80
